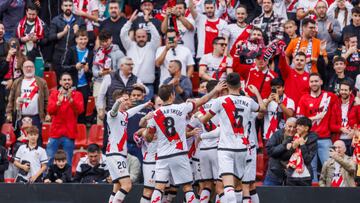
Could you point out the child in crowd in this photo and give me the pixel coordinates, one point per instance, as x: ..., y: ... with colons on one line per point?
x: 290, y: 30
x: 60, y: 171
x: 31, y: 159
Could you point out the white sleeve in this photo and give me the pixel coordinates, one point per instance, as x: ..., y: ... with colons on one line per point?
x: 254, y: 106
x: 19, y: 154
x: 100, y: 104
x: 43, y: 156
x: 131, y: 112
x: 155, y: 36
x: 357, y: 83
x: 229, y: 62
x: 215, y: 107
x: 190, y: 60
x: 188, y: 107
x: 220, y: 11
x: 226, y: 31
x: 124, y: 35
x: 290, y: 104
x: 212, y: 134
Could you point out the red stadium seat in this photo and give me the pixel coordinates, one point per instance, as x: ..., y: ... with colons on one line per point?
x: 195, y: 80
x: 45, y: 133
x: 8, y: 130
x: 260, y: 167
x: 90, y: 106
x: 75, y: 160
x: 81, y: 139
x: 9, y: 180
x: 96, y: 135
x: 50, y: 78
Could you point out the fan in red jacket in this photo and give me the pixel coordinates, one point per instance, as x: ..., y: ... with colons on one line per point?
x: 340, y: 114
x: 64, y: 106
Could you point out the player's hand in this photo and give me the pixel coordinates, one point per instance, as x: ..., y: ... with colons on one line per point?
x: 253, y: 89
x: 47, y: 181
x: 58, y: 181
x: 133, y: 16
x: 220, y: 86
x: 149, y: 104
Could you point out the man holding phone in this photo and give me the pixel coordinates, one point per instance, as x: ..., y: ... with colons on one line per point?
x: 78, y: 62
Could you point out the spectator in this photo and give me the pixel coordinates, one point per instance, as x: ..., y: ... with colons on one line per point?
x: 341, y: 11
x: 339, y: 170
x: 306, y: 9
x: 4, y: 67
x: 143, y: 51
x: 354, y: 27
x: 114, y: 23
x: 4, y: 162
x: 31, y: 159
x: 176, y: 18
x: 319, y: 113
x: 15, y: 59
x: 276, y: 148
x: 215, y: 65
x: 134, y: 168
x: 77, y: 62
x: 279, y: 107
x: 202, y: 88
x: 290, y: 29
x: 258, y: 75
x: 11, y: 11
x: 352, y: 55
x: 62, y: 32
x: 48, y: 9
x: 334, y: 82
x: 92, y: 168
x: 28, y: 97
x: 328, y: 29
x: 137, y: 96
x: 147, y: 8
x: 32, y: 33
x: 308, y: 44
x: 181, y: 83
x: 65, y: 105
x: 21, y: 139
x: 301, y: 152
x: 3, y: 44
x: 178, y: 52
x: 208, y: 26
x: 59, y: 171
x: 340, y: 123
x: 239, y: 31
x: 226, y: 9
x: 122, y: 79
x: 270, y: 23
x: 89, y: 11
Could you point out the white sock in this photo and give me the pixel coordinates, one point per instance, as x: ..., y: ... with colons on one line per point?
x: 120, y: 196
x: 205, y: 195
x: 111, y: 198
x: 222, y: 198
x: 246, y: 200
x: 164, y: 197
x: 144, y: 199
x: 156, y: 196
x: 238, y: 194
x: 217, y: 199
x: 229, y: 194
x: 254, y: 196
x: 190, y: 197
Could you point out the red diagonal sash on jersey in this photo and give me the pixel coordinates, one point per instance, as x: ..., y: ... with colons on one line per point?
x: 211, y: 32
x: 337, y: 183
x: 192, y: 150
x: 33, y: 92
x: 230, y: 109
x: 272, y: 127
x: 159, y: 119
x: 242, y: 37
x: 209, y: 125
x: 221, y: 69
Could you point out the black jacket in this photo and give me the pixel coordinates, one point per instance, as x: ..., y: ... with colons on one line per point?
x: 279, y: 155
x: 351, y: 29
x: 4, y: 163
x: 89, y: 174
x: 55, y: 173
x: 70, y: 62
x: 61, y: 46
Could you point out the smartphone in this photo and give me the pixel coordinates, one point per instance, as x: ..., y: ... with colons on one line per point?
x: 171, y: 39
x: 332, y: 147
x: 83, y: 63
x: 273, y: 90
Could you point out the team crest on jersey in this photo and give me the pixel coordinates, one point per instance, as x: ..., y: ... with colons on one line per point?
x: 311, y: 105
x: 223, y: 64
x: 267, y: 79
x: 209, y: 29
x: 304, y: 78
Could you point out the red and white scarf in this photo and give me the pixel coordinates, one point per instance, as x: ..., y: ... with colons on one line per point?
x: 308, y: 53
x: 102, y: 55
x: 81, y: 5
x: 39, y: 29
x: 296, y: 160
x: 242, y: 37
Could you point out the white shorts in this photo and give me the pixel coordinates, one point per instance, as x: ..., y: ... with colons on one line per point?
x: 195, y: 164
x: 178, y: 167
x: 149, y: 174
x: 118, y: 168
x: 209, y: 166
x: 250, y: 169
x: 232, y: 163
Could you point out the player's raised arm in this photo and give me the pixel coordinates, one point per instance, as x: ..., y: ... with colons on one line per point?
x: 208, y: 96
x: 138, y: 108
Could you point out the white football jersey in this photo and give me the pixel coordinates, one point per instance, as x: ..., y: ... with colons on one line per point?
x: 149, y: 151
x: 169, y: 124
x: 117, y: 131
x: 216, y: 66
x: 234, y: 113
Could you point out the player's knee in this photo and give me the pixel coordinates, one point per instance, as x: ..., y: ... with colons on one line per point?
x: 127, y: 187
x: 187, y: 188
x: 147, y: 192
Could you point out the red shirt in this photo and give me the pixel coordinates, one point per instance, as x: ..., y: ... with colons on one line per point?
x: 296, y: 84
x: 310, y: 106
x: 254, y: 76
x: 64, y: 117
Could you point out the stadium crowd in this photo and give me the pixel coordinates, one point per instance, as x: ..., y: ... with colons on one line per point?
x: 213, y: 95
